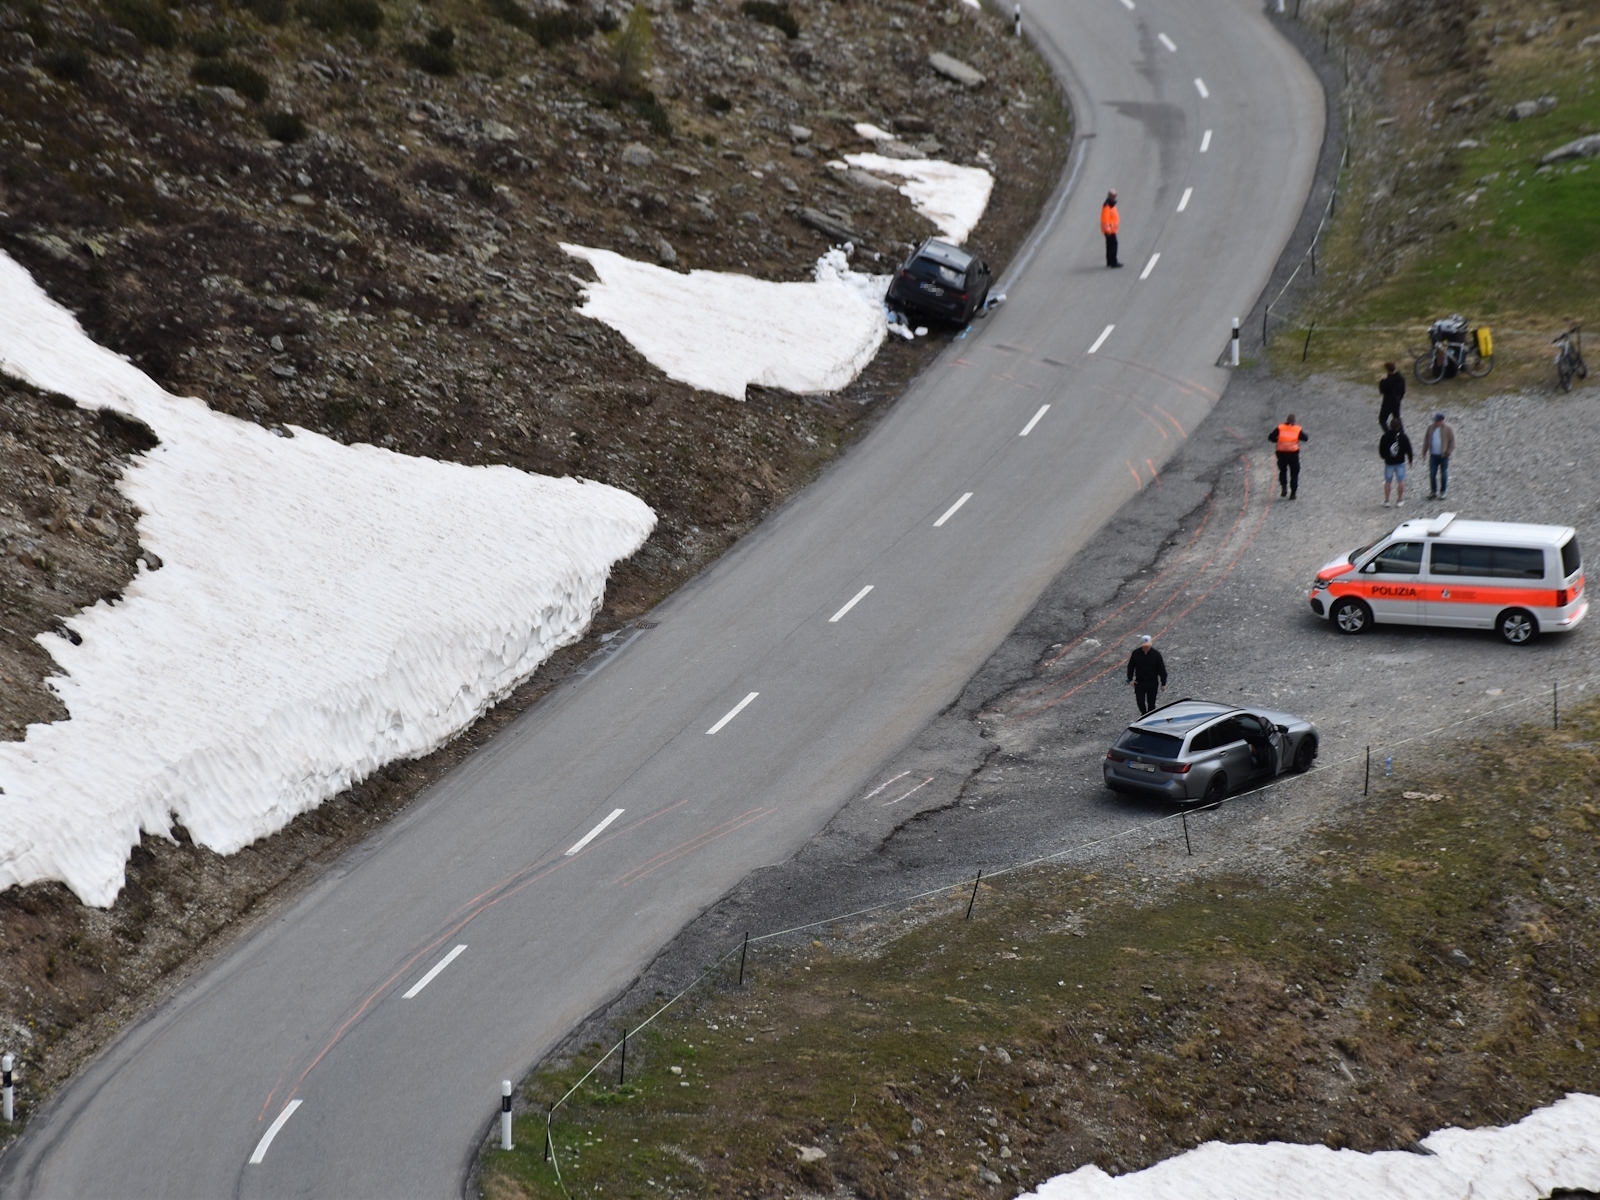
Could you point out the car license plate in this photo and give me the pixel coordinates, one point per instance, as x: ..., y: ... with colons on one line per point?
x: 932, y: 287
x: 1142, y: 767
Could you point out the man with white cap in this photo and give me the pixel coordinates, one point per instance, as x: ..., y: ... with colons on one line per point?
x: 1147, y: 673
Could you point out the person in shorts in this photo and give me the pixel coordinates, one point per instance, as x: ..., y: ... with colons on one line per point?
x: 1394, y: 447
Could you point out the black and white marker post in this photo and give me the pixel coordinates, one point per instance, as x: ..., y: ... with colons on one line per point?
x: 505, y: 1114
x: 1017, y: 17
x: 8, y: 1094
x: 1235, y: 342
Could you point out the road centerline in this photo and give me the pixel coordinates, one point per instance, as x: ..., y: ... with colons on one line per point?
x: 272, y: 1131
x: 1167, y: 42
x: 1037, y: 417
x: 851, y: 603
x: 1205, y: 141
x: 1150, y: 266
x: 451, y: 957
x: 601, y: 828
x: 732, y: 713
x: 1200, y: 86
x: 951, y: 511
x: 1101, y: 340
x: 1184, y: 202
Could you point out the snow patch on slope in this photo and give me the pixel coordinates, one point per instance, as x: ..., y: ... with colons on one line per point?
x: 1554, y: 1147
x: 953, y: 197
x: 720, y: 331
x: 322, y: 610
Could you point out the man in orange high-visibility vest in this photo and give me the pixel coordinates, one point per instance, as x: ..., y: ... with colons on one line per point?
x: 1288, y: 436
x: 1109, y: 224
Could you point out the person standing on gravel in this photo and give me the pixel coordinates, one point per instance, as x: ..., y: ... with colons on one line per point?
x: 1394, y: 447
x: 1392, y: 387
x: 1288, y: 436
x: 1147, y: 673
x: 1441, y: 443
x: 1110, y: 223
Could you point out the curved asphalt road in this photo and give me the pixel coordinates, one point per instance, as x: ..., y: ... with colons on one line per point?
x: 393, y: 1094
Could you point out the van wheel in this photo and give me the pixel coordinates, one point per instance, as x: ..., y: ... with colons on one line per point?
x: 1305, y: 754
x: 1351, y: 616
x: 1217, y: 789
x: 1517, y: 626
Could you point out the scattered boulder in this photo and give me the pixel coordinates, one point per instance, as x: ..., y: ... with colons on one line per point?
x: 497, y: 131
x: 826, y: 225
x: 219, y: 98
x: 909, y: 124
x: 799, y: 133
x: 1459, y: 957
x: 811, y: 1154
x: 866, y: 181
x: 899, y: 149
x: 955, y: 69
x: 665, y: 254
x: 1524, y: 109
x: 1584, y: 147
x: 637, y: 154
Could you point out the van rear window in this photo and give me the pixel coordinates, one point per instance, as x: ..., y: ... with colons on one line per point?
x: 1157, y: 745
x: 1571, y: 559
x: 1495, y: 562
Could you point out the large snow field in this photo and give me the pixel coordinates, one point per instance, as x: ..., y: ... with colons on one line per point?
x: 720, y: 331
x: 321, y: 610
x: 1554, y: 1147
x: 953, y: 197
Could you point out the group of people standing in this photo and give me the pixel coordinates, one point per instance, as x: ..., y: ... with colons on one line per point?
x: 1396, y: 450
x: 1394, y: 446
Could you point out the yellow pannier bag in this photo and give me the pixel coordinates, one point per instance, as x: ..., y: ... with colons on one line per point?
x: 1485, y: 341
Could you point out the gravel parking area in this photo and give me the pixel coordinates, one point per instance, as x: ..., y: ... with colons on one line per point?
x: 1216, y: 567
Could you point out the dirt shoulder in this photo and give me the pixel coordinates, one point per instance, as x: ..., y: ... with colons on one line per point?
x: 370, y: 249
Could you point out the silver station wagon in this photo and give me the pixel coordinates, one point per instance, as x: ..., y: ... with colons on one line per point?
x: 1194, y: 750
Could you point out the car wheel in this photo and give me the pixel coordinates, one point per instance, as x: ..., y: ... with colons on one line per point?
x: 1217, y: 789
x: 1350, y: 616
x: 1517, y: 626
x: 1305, y: 754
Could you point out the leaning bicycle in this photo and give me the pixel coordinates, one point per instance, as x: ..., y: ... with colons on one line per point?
x: 1569, y: 359
x: 1455, y: 348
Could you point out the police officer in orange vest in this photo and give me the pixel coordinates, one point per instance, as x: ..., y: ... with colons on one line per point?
x: 1110, y: 222
x: 1289, y: 437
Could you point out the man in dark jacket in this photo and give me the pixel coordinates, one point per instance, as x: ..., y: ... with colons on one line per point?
x: 1147, y: 673
x: 1288, y: 437
x: 1394, y: 447
x: 1392, y: 387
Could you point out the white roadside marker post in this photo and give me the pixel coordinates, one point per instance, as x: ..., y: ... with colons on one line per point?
x: 1235, y: 342
x: 505, y: 1114
x: 8, y: 1092
x: 1017, y: 14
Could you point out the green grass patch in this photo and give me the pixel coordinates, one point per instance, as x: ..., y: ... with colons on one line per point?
x: 1459, y: 216
x: 341, y: 16
x: 231, y: 73
x: 1428, y: 963
x: 148, y: 22
x: 776, y: 15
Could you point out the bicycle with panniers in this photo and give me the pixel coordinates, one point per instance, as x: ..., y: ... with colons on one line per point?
x: 1455, y: 348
